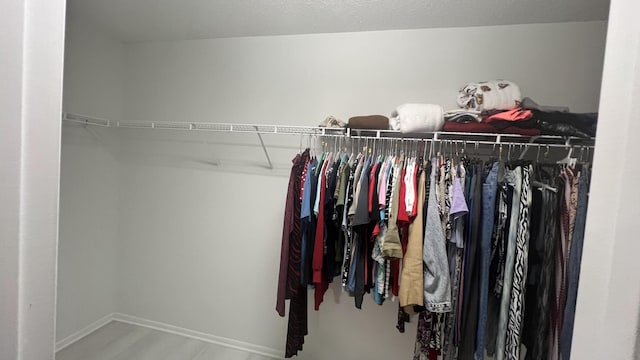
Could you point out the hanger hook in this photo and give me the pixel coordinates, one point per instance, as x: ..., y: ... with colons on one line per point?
x: 546, y: 153
x: 432, y: 146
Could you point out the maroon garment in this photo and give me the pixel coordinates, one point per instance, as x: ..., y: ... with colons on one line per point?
x: 297, y: 327
x: 287, y: 231
x: 395, y: 276
x: 318, y: 292
x: 482, y: 127
x: 295, y: 243
x: 289, y: 278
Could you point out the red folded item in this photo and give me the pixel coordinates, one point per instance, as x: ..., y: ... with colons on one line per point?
x: 517, y: 114
x: 482, y: 127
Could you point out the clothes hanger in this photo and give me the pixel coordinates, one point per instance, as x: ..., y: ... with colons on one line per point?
x: 546, y: 154
x: 568, y: 160
x: 520, y: 151
x: 373, y: 152
x: 345, y: 142
x: 454, y: 159
x: 464, y: 151
x: 543, y: 186
x: 323, y: 143
x: 351, y: 148
x: 313, y: 145
x: 447, y: 149
x: 424, y: 150
x: 431, y: 148
x: 584, y: 149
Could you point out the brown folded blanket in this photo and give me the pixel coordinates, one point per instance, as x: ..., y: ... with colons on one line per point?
x: 376, y: 122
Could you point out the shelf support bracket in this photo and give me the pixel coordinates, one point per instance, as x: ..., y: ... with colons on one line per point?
x: 264, y: 148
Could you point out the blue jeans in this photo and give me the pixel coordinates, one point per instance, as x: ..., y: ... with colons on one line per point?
x: 573, y: 273
x: 489, y: 189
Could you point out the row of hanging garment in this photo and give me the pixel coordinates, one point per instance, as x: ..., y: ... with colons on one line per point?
x: 487, y: 253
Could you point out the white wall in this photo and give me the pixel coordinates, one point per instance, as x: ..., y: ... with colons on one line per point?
x: 31, y: 43
x: 10, y: 158
x: 609, y: 294
x: 302, y: 79
x: 94, y: 70
x: 89, y: 181
x: 199, y: 248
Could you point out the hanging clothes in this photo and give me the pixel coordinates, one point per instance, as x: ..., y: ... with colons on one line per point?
x: 288, y: 284
x: 486, y: 253
x: 541, y: 278
x: 489, y: 190
x: 437, y: 284
x: 573, y: 268
x: 412, y: 277
x: 470, y: 303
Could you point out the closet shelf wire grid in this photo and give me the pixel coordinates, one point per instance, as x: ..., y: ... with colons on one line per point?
x: 261, y: 129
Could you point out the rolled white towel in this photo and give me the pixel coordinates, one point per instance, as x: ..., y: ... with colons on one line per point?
x: 490, y: 95
x: 414, y: 118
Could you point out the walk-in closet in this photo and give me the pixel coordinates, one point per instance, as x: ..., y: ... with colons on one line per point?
x: 226, y: 191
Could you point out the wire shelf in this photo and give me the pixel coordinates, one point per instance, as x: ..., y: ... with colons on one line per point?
x: 261, y: 129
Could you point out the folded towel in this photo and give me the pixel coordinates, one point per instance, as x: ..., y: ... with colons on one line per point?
x: 375, y: 122
x: 463, y: 115
x: 495, y: 94
x: 415, y: 118
x: 332, y: 122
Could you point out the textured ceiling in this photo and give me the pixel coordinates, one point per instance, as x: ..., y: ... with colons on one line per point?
x: 149, y: 20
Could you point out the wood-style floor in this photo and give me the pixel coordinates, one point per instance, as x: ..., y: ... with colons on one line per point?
x: 120, y: 341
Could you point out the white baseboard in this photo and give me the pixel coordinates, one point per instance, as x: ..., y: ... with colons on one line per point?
x: 84, y: 332
x: 231, y: 343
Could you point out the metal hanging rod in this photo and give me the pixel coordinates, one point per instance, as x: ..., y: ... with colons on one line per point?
x: 480, y: 138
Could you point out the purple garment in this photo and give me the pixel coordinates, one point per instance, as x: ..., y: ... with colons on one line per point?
x: 458, y: 210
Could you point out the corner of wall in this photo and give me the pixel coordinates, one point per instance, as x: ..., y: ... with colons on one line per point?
x: 90, y: 170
